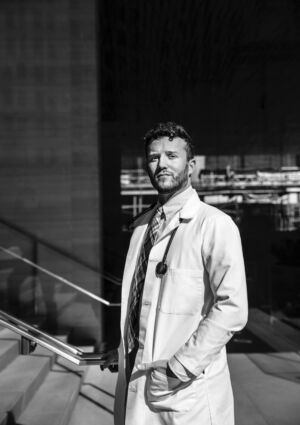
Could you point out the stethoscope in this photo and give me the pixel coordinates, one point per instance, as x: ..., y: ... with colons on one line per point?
x: 162, y: 267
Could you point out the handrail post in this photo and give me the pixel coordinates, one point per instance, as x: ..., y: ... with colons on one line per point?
x: 34, y: 274
x: 27, y: 345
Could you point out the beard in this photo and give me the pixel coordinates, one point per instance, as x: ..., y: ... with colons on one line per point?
x: 170, y: 183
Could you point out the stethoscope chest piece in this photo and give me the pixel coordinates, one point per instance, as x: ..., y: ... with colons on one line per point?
x: 161, y: 268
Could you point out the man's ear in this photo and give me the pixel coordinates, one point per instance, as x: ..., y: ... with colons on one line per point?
x: 192, y: 164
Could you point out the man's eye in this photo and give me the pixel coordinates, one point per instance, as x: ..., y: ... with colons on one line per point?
x: 172, y: 155
x: 153, y: 158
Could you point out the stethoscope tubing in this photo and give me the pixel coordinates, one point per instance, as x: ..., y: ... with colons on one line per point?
x: 162, y: 267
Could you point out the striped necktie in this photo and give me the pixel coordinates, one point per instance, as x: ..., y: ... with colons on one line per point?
x: 139, y: 278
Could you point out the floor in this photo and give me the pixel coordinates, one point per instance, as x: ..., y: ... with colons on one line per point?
x: 266, y: 389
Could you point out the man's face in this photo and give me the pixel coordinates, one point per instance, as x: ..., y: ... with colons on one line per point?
x: 168, y: 167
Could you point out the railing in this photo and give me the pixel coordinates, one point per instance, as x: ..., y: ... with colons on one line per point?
x: 30, y: 334
x: 61, y: 279
x: 35, y: 301
x: 39, y: 241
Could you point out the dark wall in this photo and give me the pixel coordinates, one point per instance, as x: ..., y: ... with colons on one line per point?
x: 49, y: 135
x: 48, y: 122
x: 228, y: 71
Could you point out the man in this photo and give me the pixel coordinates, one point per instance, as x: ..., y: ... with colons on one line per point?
x: 182, y: 299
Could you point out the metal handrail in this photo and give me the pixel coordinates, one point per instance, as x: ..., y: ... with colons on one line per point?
x: 69, y: 352
x: 38, y: 240
x: 61, y: 279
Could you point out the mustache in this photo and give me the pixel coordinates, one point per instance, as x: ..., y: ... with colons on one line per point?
x: 163, y: 173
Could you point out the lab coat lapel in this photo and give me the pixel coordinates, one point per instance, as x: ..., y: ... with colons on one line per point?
x: 168, y: 229
x: 185, y: 214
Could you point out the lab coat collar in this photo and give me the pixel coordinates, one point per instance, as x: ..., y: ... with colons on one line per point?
x: 191, y: 207
x: 184, y: 215
x: 187, y: 212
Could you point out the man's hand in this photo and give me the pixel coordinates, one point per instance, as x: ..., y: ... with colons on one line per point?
x: 160, y: 365
x: 110, y: 360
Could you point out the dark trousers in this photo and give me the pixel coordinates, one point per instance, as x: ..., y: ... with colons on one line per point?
x: 131, y: 359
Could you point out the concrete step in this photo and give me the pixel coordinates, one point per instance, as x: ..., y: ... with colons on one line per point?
x: 282, y: 365
x: 246, y: 412
x: 29, y: 392
x: 277, y: 334
x: 95, y: 403
x: 54, y: 402
x: 19, y: 381
x: 87, y: 412
x: 3, y: 419
x: 7, y: 334
x: 263, y: 397
x: 9, y: 349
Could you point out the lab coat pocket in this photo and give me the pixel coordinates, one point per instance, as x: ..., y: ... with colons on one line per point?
x: 169, y: 394
x: 182, y: 292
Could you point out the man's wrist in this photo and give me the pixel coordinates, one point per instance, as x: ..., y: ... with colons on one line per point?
x: 170, y: 373
x: 179, y: 370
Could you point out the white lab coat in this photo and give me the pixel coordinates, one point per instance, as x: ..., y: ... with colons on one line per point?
x: 186, y: 317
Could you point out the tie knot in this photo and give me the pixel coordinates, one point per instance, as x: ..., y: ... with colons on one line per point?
x: 159, y: 214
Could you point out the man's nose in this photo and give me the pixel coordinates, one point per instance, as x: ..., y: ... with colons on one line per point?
x: 163, y: 162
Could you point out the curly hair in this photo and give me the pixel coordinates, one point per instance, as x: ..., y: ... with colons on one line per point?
x: 171, y: 130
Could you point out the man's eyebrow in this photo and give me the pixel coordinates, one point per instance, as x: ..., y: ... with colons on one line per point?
x: 167, y: 152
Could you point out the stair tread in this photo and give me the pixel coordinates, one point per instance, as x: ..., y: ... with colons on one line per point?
x: 9, y: 350
x: 19, y: 381
x: 6, y: 333
x: 21, y: 369
x: 5, y: 344
x: 279, y: 335
x: 87, y: 412
x: 271, y: 395
x: 57, y: 396
x: 3, y: 418
x: 277, y: 363
x: 246, y: 412
x: 95, y: 403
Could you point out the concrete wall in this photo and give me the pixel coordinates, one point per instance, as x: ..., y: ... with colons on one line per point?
x: 49, y: 136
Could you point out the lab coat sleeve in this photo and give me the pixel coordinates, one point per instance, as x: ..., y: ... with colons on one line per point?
x: 224, y: 264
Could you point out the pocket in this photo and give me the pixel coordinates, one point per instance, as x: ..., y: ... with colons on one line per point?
x: 182, y: 292
x: 169, y: 394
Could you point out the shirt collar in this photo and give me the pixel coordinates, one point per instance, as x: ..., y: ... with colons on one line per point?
x: 176, y: 202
